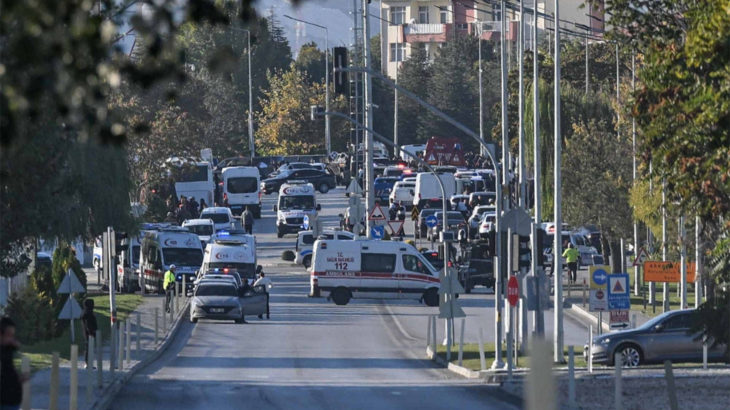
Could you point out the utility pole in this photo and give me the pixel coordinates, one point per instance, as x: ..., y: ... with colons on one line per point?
x: 633, y: 157
x: 521, y: 110
x: 368, y: 110
x: 683, y: 262
x: 665, y: 290
x: 538, y: 319
x: 698, y: 264
x: 481, y: 99
x: 557, y: 237
x: 250, y: 100
x: 396, y: 150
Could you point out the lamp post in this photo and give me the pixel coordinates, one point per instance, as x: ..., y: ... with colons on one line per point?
x: 327, y: 139
x: 250, y: 94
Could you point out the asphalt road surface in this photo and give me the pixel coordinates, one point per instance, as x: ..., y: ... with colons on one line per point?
x: 314, y: 354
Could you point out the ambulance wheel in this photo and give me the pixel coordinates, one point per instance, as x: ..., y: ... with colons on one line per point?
x: 307, y: 262
x: 431, y: 297
x: 324, y: 188
x: 341, y: 296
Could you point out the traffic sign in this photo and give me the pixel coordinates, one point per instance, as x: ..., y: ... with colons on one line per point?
x: 513, y: 291
x: 354, y: 187
x: 377, y: 232
x: 618, y: 291
x: 599, y: 276
x: 305, y: 222
x: 619, y: 319
x: 396, y: 227
x: 71, y: 284
x: 414, y: 213
x: 377, y: 214
x: 667, y: 272
x: 641, y: 257
x: 70, y: 310
x: 450, y: 309
x: 431, y: 221
x: 597, y: 301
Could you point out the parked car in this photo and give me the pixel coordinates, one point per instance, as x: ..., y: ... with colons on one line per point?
x: 321, y: 180
x: 476, y: 217
x: 454, y: 221
x: 383, y: 186
x: 665, y: 337
x: 403, y: 192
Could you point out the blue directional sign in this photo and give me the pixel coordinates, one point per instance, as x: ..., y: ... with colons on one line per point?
x: 377, y: 232
x: 599, y: 277
x: 618, y: 291
x: 305, y: 222
x: 431, y: 221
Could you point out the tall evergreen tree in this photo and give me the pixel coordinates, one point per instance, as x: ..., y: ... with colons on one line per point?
x: 415, y: 76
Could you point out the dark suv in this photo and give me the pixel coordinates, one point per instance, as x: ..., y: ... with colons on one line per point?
x: 321, y: 180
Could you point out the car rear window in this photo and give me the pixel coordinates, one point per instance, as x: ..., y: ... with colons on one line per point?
x: 215, y: 290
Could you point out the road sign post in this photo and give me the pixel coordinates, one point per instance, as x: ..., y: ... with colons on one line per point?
x: 598, y: 299
x: 618, y: 292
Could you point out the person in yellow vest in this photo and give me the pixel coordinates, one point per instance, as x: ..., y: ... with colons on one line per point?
x: 571, y: 258
x: 168, y: 283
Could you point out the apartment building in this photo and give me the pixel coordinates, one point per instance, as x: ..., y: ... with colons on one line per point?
x: 433, y: 22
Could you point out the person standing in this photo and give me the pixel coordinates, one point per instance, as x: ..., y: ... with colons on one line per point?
x: 168, y: 283
x: 571, y: 258
x: 11, y: 383
x: 247, y: 220
x: 88, y: 319
x: 266, y: 283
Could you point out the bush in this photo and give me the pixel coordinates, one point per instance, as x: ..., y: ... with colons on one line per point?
x: 34, y: 315
x: 64, y: 258
x: 288, y: 256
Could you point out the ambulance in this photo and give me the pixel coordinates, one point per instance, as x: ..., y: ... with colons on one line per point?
x: 237, y: 252
x: 297, y: 199
x: 372, y: 269
x: 128, y: 266
x: 164, y: 245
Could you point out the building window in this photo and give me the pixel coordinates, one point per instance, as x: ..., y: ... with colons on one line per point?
x: 462, y: 26
x: 397, y: 15
x: 423, y: 14
x: 444, y: 14
x: 397, y: 51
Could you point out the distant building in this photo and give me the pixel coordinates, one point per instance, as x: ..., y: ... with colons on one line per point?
x: 404, y: 24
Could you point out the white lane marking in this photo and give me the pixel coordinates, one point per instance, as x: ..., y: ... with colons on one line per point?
x: 398, y: 324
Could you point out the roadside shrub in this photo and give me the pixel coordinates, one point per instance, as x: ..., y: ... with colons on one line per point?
x: 288, y: 256
x: 34, y: 315
x: 64, y: 258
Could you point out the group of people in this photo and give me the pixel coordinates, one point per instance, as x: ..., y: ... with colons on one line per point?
x: 185, y: 208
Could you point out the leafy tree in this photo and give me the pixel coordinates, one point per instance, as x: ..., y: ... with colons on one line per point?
x: 312, y: 61
x: 285, y: 126
x: 415, y: 76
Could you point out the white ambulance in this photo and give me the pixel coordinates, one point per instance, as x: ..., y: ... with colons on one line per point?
x: 297, y: 199
x: 348, y: 269
x: 165, y: 245
x: 236, y: 252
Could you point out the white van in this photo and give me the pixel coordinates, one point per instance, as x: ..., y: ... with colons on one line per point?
x: 403, y: 192
x: 128, y: 266
x: 193, y: 179
x: 242, y: 185
x: 408, y: 152
x: 233, y: 252
x: 343, y: 270
x: 296, y: 199
x: 428, y: 189
x: 222, y: 217
x: 165, y: 245
x: 305, y: 240
x: 204, y: 228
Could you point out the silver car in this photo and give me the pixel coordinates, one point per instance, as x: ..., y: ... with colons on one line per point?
x: 665, y: 337
x: 216, y: 300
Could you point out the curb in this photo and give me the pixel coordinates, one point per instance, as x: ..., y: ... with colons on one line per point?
x: 108, y: 393
x: 586, y: 316
x: 454, y: 368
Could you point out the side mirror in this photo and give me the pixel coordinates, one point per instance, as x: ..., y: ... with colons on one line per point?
x: 658, y: 327
x: 275, y: 208
x: 319, y: 207
x: 412, y: 193
x: 259, y: 269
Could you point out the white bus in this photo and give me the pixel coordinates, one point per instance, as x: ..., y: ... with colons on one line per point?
x: 193, y: 179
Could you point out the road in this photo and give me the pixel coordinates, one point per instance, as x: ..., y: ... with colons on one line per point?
x: 313, y: 354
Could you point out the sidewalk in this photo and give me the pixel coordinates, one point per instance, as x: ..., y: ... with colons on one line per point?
x: 40, y: 382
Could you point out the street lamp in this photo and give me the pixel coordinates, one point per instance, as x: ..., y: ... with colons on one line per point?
x: 327, y: 140
x: 250, y: 94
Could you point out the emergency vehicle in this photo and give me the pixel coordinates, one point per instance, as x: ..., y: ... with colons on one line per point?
x: 305, y: 240
x: 128, y: 266
x: 164, y: 245
x: 237, y: 252
x: 296, y: 200
x: 348, y: 269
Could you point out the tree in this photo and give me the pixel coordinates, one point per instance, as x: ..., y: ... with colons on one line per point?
x: 285, y: 126
x: 311, y: 60
x: 415, y: 76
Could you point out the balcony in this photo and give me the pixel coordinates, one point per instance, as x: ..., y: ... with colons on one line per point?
x: 426, y: 33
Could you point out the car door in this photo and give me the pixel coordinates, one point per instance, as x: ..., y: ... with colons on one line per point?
x: 254, y: 302
x: 377, y: 276
x: 670, y: 341
x: 414, y: 277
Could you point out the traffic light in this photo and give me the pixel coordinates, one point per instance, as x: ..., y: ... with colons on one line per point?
x: 521, y: 252
x: 341, y: 78
x: 120, y: 242
x: 541, y: 238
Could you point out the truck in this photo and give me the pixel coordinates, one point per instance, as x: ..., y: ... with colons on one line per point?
x: 444, y: 151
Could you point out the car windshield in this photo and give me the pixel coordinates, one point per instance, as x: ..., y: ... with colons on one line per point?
x: 217, y: 218
x: 215, y: 290
x: 296, y: 202
x: 183, y: 256
x: 201, y: 229
x: 242, y: 185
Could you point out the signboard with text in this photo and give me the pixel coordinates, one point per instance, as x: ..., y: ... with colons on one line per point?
x: 657, y: 271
